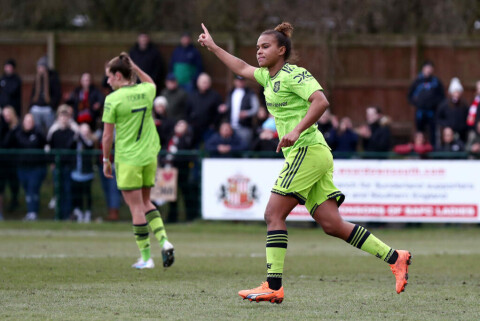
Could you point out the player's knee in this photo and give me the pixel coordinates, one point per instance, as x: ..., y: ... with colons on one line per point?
x: 270, y: 216
x: 330, y: 227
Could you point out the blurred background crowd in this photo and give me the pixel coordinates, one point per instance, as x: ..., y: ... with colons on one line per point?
x: 64, y: 126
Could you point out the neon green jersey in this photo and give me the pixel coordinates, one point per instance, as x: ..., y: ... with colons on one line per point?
x: 287, y: 95
x: 130, y: 109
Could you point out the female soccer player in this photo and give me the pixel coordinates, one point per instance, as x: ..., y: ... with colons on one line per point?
x: 128, y: 110
x: 296, y: 101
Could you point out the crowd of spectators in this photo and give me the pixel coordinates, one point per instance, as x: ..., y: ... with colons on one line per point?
x: 191, y: 115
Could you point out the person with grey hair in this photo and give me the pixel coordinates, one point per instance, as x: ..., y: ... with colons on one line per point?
x: 453, y: 111
x: 46, y: 95
x: 163, y: 122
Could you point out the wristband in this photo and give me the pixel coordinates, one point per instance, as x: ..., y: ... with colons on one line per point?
x: 106, y: 160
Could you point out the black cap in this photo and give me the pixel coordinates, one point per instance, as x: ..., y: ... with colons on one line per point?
x: 11, y: 62
x: 171, y: 76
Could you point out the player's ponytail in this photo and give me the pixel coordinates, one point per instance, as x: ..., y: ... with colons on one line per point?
x: 283, y: 33
x: 122, y: 65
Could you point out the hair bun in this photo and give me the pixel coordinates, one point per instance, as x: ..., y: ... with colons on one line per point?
x: 123, y: 56
x: 286, y: 28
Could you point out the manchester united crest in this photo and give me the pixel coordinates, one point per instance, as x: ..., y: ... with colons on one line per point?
x: 276, y: 86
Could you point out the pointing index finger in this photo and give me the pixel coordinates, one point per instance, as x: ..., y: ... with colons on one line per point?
x: 279, y: 146
x: 205, y: 29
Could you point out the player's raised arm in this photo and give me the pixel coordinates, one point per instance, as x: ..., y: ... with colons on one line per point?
x: 235, y: 64
x: 142, y: 75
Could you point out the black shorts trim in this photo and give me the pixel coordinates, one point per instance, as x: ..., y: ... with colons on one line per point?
x: 340, y: 195
x: 341, y: 198
x: 295, y: 195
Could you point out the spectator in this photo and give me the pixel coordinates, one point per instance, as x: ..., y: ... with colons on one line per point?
x: 267, y: 139
x: 473, y: 145
x: 449, y: 142
x: 83, y: 175
x: 163, y: 122
x: 473, y: 114
x: 146, y: 55
x: 224, y: 143
x: 326, y: 123
x: 56, y: 124
x: 241, y: 105
x: 182, y: 140
x: 426, y: 93
x: 8, y: 165
x: 202, y: 109
x: 109, y: 186
x: 186, y: 63
x: 31, y: 168
x: 343, y: 138
x: 64, y: 139
x: 46, y: 94
x: 87, y: 102
x: 453, y: 111
x: 420, y: 145
x: 176, y: 97
x: 11, y: 87
x: 376, y: 134
x: 261, y: 116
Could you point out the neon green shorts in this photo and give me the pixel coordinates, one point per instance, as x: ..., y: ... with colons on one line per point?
x: 131, y: 177
x: 307, y: 175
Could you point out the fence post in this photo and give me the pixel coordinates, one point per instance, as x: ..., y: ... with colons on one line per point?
x: 56, y: 182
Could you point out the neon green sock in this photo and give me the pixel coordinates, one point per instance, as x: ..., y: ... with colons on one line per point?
x: 156, y: 224
x: 143, y: 240
x: 361, y: 238
x: 277, y: 242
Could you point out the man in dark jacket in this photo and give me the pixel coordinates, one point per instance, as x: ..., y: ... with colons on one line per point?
x: 11, y: 87
x: 176, y: 97
x: 202, y: 109
x: 225, y: 142
x: 186, y: 63
x: 376, y: 136
x: 146, y: 55
x: 426, y: 93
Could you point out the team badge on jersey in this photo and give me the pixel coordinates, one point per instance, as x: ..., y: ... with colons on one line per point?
x: 276, y: 86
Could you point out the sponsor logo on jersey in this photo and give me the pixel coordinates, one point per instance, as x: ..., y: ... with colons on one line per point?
x: 282, y: 104
x: 302, y: 76
x: 276, y: 86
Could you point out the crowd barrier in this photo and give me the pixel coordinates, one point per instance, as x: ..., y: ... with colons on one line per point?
x: 380, y: 187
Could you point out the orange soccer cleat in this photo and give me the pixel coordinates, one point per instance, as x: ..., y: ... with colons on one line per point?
x: 263, y: 293
x: 400, y: 269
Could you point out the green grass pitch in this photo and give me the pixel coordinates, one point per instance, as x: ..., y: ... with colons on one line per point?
x: 65, y: 271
